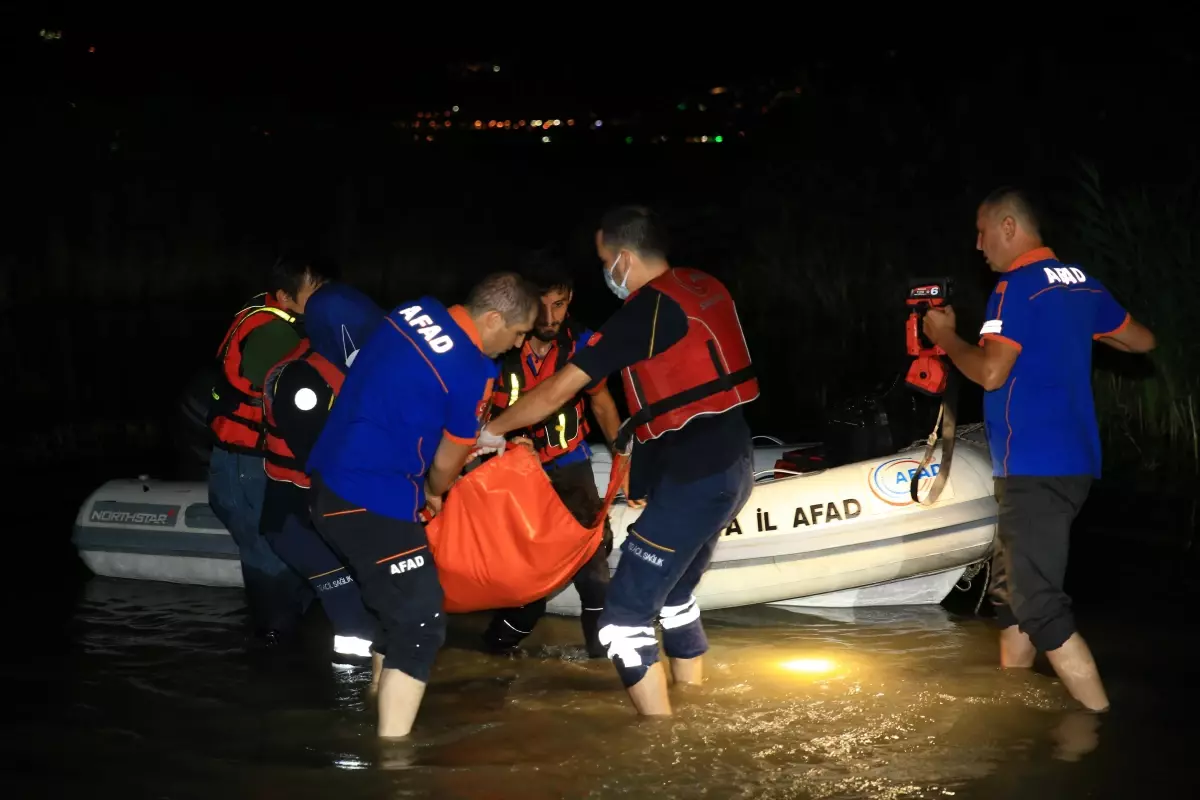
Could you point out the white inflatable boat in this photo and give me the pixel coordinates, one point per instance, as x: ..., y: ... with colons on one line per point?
x: 843, y: 537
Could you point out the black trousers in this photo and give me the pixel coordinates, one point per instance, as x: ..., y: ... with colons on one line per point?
x: 576, y: 487
x: 1030, y: 562
x: 395, y: 571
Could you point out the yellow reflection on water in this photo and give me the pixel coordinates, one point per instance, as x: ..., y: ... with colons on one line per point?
x: 811, y: 666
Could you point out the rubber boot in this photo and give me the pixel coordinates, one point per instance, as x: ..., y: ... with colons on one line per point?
x: 590, y: 621
x: 501, y: 637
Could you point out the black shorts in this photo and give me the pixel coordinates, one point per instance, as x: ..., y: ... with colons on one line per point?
x: 1030, y: 562
x: 394, y: 568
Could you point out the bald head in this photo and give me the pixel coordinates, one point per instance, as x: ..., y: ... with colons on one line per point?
x: 1014, y: 202
x: 1007, y: 227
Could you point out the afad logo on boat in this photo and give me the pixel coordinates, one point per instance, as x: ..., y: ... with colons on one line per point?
x: 892, y: 480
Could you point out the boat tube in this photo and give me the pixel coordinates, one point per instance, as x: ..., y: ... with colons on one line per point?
x: 845, y: 536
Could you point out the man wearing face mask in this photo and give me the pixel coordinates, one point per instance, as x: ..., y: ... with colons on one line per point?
x: 559, y: 442
x: 686, y: 370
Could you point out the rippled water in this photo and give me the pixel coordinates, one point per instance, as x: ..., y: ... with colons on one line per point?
x: 150, y: 691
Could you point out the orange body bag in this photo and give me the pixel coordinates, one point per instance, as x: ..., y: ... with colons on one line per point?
x: 504, y: 538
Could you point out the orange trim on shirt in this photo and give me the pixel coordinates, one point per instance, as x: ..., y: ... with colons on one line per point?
x: 1001, y: 288
x: 995, y: 337
x: 1008, y: 424
x: 1124, y: 324
x: 436, y: 374
x: 1032, y: 257
x: 459, y: 439
x: 462, y: 317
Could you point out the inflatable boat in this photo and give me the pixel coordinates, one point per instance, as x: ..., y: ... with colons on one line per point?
x: 846, y: 536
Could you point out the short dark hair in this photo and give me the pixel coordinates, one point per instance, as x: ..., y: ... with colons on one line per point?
x: 546, y: 272
x: 635, y: 228
x: 505, y: 292
x: 292, y: 269
x: 1021, y: 201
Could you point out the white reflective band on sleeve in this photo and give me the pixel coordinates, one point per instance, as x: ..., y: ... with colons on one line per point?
x: 991, y: 326
x: 678, y: 616
x: 623, y: 642
x: 351, y: 646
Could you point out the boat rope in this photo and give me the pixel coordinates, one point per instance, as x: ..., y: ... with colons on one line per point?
x: 947, y: 421
x: 969, y: 575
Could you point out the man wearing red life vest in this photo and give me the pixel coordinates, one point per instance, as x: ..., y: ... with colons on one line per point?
x: 261, y: 334
x: 559, y: 441
x: 686, y: 370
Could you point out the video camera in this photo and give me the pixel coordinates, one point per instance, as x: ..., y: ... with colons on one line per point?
x: 928, y: 371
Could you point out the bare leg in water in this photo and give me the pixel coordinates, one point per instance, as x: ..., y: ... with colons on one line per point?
x: 1075, y: 666
x: 399, y: 700
x: 649, y: 695
x: 1072, y: 662
x: 1016, y: 651
x: 688, y: 671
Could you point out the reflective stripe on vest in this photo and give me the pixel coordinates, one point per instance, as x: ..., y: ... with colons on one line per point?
x: 707, y: 372
x: 279, y: 461
x: 235, y: 413
x: 563, y: 430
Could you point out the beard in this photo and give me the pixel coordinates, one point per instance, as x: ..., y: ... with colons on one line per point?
x: 546, y: 333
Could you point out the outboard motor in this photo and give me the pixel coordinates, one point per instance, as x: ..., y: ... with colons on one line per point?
x: 191, y: 437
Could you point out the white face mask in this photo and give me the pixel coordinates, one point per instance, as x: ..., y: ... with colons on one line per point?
x: 617, y: 288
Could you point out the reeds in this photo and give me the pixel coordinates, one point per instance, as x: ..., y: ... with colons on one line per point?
x: 1143, y: 242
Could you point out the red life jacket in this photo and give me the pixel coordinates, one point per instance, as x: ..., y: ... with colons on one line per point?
x: 279, y: 462
x: 565, y: 429
x: 235, y: 414
x: 707, y: 372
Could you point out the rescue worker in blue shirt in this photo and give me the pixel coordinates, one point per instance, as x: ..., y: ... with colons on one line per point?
x: 297, y: 397
x: 403, y: 426
x: 686, y: 371
x: 560, y: 442
x: 1034, y: 362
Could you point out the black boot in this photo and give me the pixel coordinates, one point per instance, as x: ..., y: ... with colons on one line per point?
x: 590, y: 621
x: 501, y: 637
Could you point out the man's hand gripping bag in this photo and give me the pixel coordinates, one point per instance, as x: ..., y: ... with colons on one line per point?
x: 504, y: 538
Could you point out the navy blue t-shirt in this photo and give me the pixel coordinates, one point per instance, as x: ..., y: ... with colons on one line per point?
x: 1042, y: 421
x: 423, y: 373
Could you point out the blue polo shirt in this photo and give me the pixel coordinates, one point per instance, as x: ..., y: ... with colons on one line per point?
x: 338, y: 320
x: 536, y: 365
x: 422, y: 374
x: 1042, y: 421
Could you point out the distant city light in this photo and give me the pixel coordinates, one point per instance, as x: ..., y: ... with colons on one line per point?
x: 718, y: 90
x: 557, y: 122
x: 454, y: 109
x: 495, y: 68
x: 545, y: 138
x: 570, y: 122
x: 628, y: 140
x: 599, y: 123
x: 537, y: 123
x: 478, y: 123
x: 704, y: 138
x: 718, y: 139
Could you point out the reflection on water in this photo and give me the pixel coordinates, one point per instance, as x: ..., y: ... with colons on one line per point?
x: 154, y: 687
